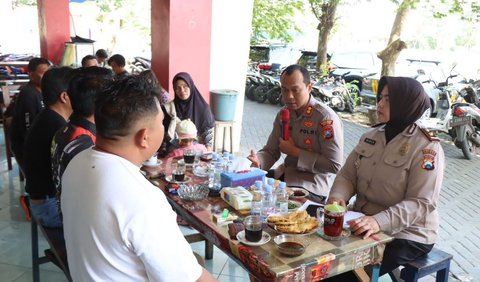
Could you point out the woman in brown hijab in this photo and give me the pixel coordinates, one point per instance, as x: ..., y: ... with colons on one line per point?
x: 396, y: 173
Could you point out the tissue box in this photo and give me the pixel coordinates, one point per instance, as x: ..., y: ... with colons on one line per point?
x: 244, y: 178
x: 237, y: 197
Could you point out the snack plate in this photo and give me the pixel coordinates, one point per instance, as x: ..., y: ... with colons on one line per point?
x: 265, y: 239
x: 169, y: 179
x: 159, y: 163
x: 296, y: 203
x: 298, y: 190
x: 299, y: 234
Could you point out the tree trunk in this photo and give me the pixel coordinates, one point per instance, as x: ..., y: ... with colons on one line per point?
x: 395, y: 45
x: 327, y: 19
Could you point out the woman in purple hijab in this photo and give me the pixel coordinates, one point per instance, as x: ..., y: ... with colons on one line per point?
x: 395, y: 172
x: 189, y: 104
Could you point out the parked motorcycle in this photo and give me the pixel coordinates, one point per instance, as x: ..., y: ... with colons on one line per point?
x: 459, y: 120
x: 333, y: 91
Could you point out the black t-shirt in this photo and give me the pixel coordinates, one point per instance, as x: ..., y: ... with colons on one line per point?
x: 78, y: 135
x: 28, y: 104
x: 37, y: 154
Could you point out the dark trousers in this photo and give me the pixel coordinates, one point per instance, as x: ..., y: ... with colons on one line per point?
x: 400, y: 251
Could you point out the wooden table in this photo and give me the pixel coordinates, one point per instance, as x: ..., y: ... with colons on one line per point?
x: 321, y: 259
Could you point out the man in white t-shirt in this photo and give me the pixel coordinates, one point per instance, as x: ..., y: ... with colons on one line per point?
x: 118, y: 226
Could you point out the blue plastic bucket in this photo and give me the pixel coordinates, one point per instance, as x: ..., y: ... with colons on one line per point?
x: 223, y: 103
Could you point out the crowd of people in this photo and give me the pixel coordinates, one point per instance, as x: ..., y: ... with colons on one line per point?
x: 79, y: 140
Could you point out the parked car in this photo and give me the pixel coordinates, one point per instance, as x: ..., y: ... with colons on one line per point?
x: 273, y: 57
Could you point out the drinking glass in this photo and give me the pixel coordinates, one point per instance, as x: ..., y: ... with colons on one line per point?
x: 253, y: 228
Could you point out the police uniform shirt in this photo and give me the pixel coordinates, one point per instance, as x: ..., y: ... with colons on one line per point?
x: 397, y: 183
x: 318, y: 133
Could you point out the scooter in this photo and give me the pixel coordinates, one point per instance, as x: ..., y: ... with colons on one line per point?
x: 334, y: 93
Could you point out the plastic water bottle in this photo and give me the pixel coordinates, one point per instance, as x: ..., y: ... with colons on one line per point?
x: 268, y: 202
x: 257, y: 199
x: 229, y: 166
x: 219, y: 167
x: 270, y: 181
x: 281, y: 198
x: 211, y: 172
x: 225, y: 157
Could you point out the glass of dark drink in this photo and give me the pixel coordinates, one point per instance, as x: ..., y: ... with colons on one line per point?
x: 178, y: 171
x: 253, y: 228
x: 333, y: 219
x: 189, y: 156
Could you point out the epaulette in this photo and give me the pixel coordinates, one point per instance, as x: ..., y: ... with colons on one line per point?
x: 428, y: 135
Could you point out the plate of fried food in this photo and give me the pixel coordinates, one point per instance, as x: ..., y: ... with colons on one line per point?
x: 297, y: 222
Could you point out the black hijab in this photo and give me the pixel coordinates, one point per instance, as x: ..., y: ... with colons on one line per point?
x: 195, y: 107
x: 408, y: 102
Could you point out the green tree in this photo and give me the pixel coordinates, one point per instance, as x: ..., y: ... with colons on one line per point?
x: 324, y: 11
x: 274, y: 19
x: 468, y: 9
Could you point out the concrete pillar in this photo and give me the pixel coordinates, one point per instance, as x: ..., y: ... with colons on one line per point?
x: 54, y: 25
x: 181, y: 32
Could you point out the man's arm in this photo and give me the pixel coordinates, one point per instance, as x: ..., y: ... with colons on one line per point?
x: 206, y: 276
x: 270, y: 153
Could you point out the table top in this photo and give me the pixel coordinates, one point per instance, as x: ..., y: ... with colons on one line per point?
x: 322, y: 258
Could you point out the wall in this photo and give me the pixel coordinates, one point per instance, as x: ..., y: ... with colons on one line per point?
x: 231, y: 27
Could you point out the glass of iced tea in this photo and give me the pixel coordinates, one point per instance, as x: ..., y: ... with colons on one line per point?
x: 333, y: 219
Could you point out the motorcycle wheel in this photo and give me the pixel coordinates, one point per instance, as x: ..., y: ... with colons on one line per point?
x: 260, y: 94
x: 339, y: 107
x: 250, y: 91
x: 467, y: 146
x: 274, y: 95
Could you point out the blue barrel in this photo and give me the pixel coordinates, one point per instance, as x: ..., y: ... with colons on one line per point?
x: 223, y: 103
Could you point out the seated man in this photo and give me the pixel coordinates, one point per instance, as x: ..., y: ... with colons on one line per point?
x: 38, y: 165
x: 314, y: 150
x: 28, y: 105
x: 118, y: 226
x: 117, y: 62
x: 79, y: 133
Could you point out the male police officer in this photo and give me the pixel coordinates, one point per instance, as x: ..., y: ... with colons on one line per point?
x: 314, y: 150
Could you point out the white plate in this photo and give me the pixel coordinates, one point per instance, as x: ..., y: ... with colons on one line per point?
x: 159, y: 163
x: 169, y: 179
x: 200, y: 171
x: 265, y: 239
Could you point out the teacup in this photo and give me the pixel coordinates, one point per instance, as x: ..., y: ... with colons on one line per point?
x: 152, y: 160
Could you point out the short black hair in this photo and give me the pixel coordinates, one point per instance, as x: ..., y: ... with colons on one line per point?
x: 35, y: 62
x: 101, y: 53
x: 292, y: 68
x: 87, y: 58
x: 122, y: 104
x: 118, y: 59
x: 85, y: 84
x: 54, y: 82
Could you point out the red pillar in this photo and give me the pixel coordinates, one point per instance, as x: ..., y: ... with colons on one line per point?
x: 54, y: 24
x: 181, y: 32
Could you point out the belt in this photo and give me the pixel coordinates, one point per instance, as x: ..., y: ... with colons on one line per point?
x: 41, y: 199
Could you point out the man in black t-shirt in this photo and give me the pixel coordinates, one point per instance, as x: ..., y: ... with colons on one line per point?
x: 38, y: 165
x: 80, y: 132
x: 28, y: 104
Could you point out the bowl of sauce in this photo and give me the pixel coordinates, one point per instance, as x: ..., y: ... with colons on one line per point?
x: 291, y: 245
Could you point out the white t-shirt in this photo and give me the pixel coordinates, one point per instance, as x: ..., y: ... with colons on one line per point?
x: 118, y: 226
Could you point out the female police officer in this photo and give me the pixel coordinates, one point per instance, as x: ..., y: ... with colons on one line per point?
x: 396, y: 173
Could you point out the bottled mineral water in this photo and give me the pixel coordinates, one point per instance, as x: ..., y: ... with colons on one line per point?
x: 211, y: 172
x: 219, y: 167
x: 268, y: 202
x: 281, y: 198
x: 229, y: 166
x: 257, y: 199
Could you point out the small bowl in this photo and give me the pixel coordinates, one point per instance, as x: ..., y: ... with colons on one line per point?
x: 298, y: 193
x: 291, y: 245
x: 192, y: 192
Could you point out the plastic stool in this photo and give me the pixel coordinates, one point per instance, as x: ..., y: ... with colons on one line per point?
x: 435, y: 261
x: 225, y: 125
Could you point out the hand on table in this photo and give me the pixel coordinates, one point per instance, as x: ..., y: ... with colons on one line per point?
x: 367, y: 225
x: 253, y: 158
x: 288, y: 147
